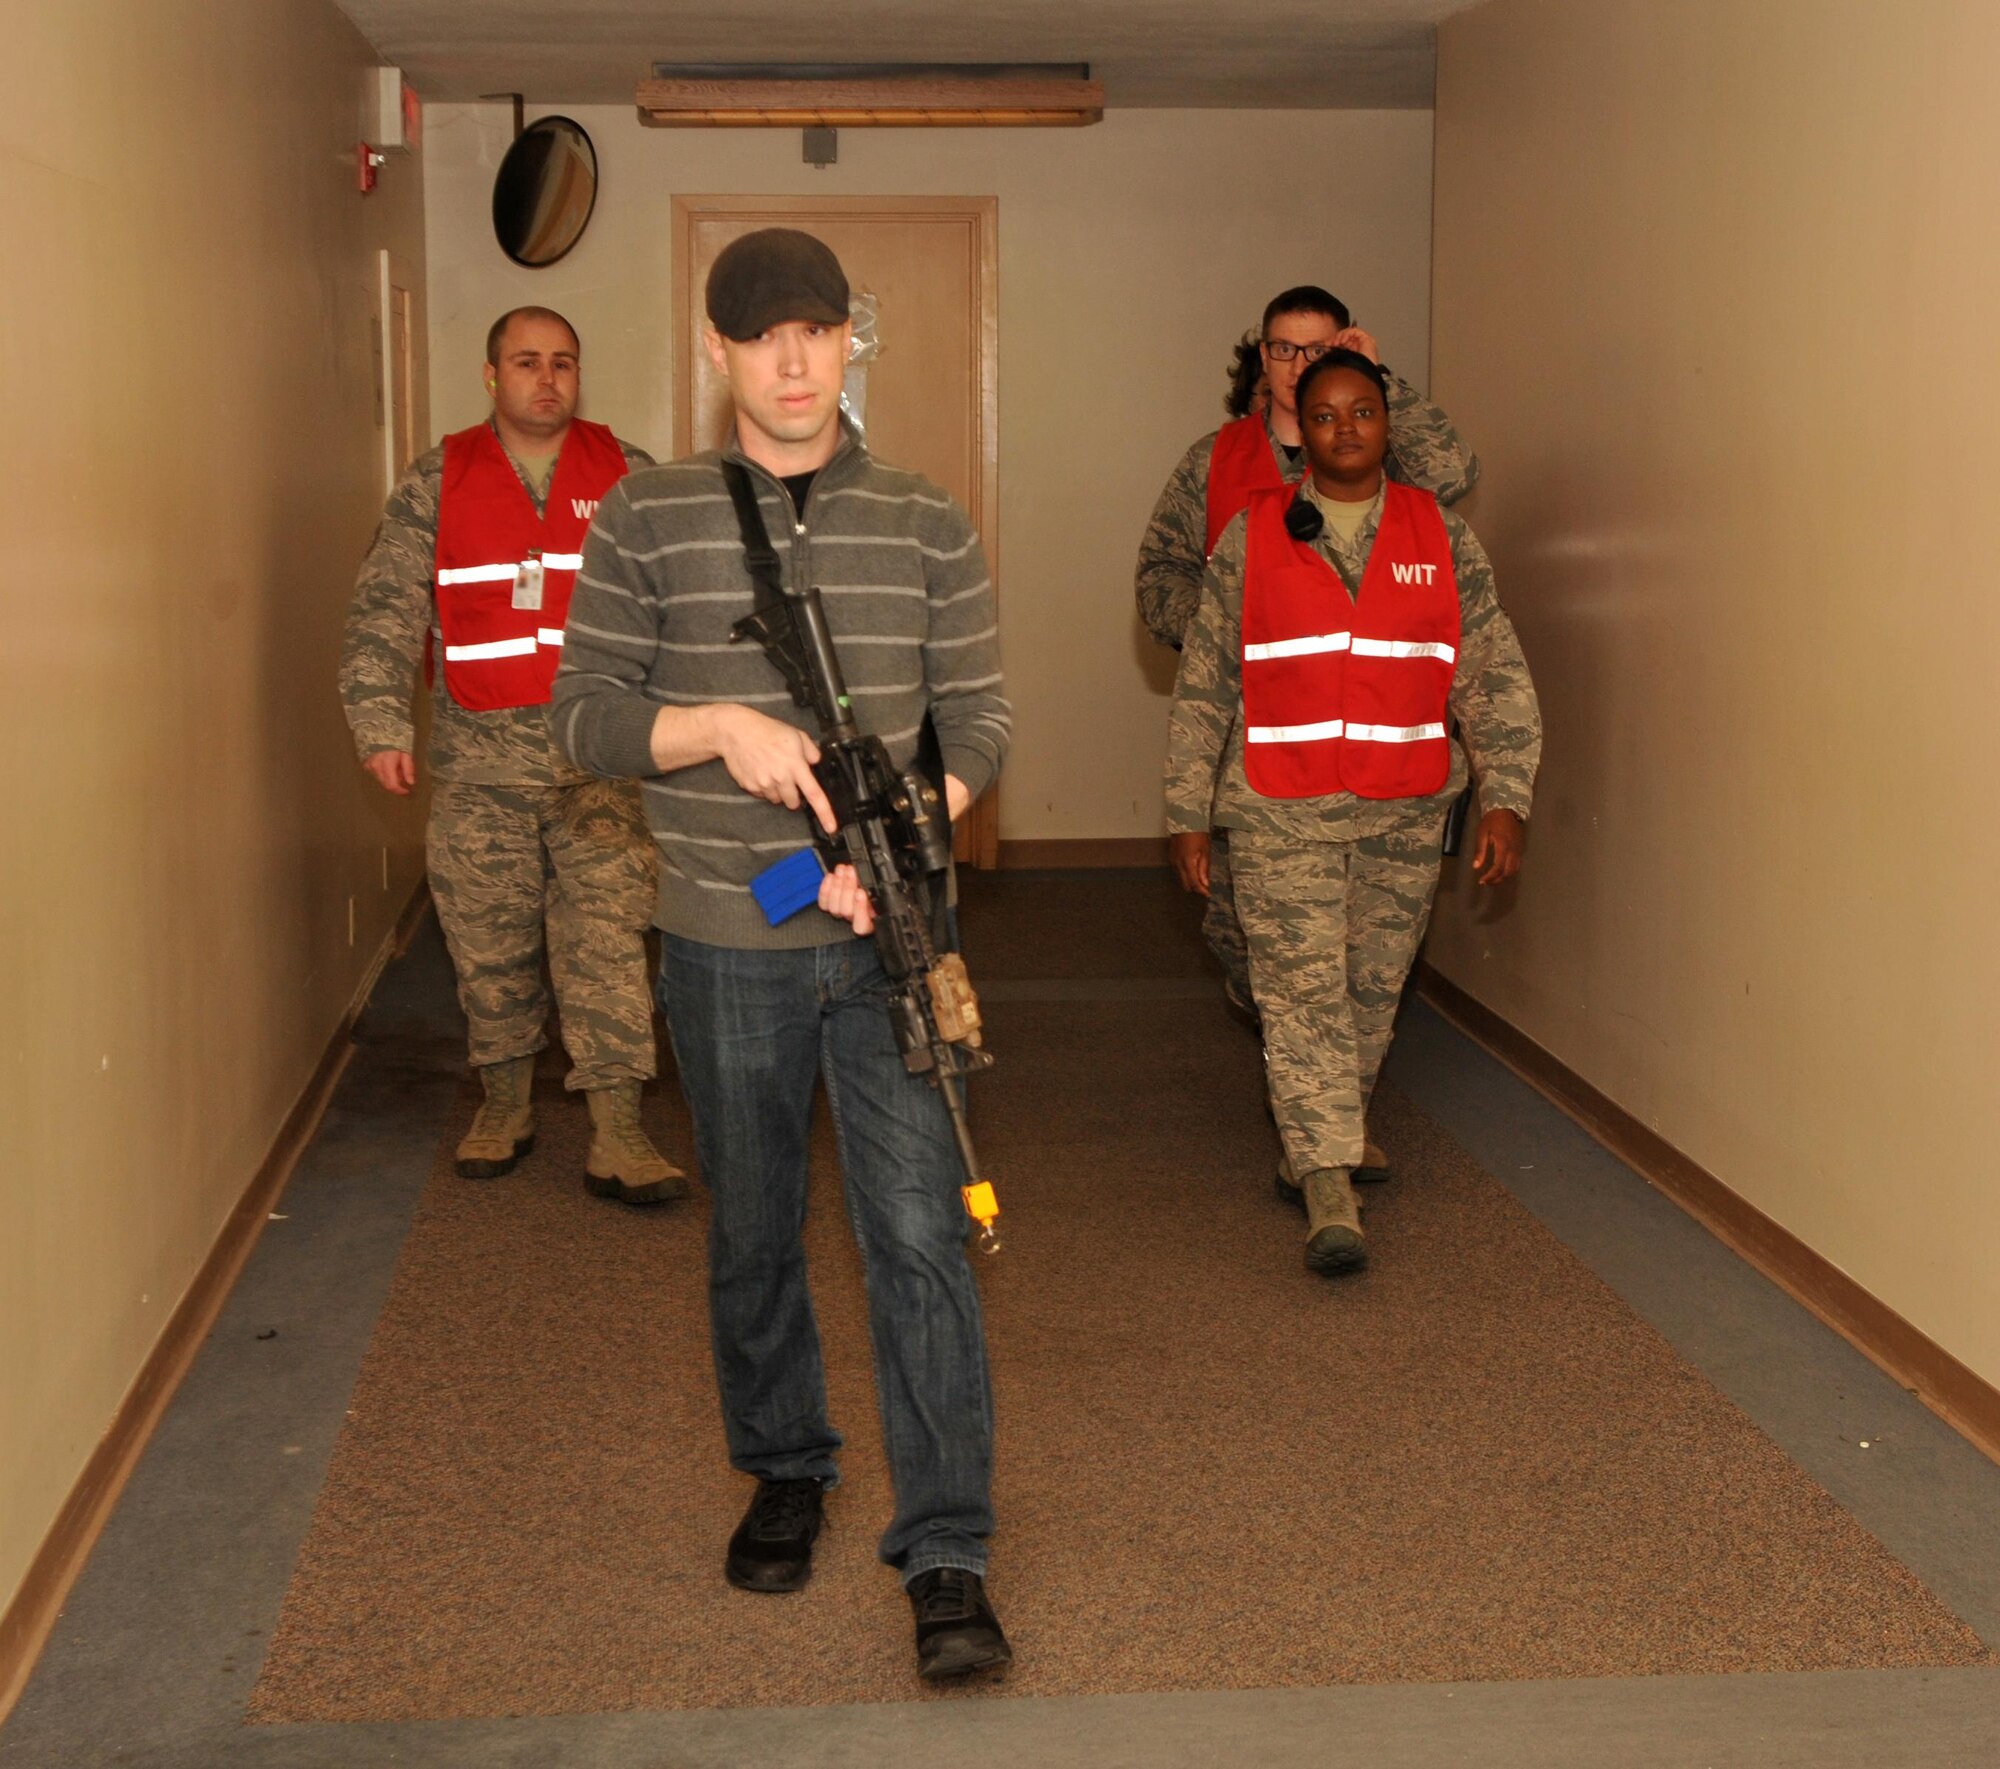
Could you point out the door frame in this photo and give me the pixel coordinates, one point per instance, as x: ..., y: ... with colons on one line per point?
x: 980, y: 217
x: 396, y: 418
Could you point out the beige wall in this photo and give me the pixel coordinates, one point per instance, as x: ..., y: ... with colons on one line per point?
x: 1715, y: 287
x: 1132, y: 255
x: 194, y: 471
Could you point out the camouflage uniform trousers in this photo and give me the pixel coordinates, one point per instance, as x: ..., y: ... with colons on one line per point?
x: 1333, y: 928
x: 506, y: 862
x: 1221, y: 927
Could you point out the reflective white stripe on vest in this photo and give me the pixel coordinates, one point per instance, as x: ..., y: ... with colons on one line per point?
x: 1311, y: 645
x: 494, y: 648
x: 1393, y: 733
x: 1404, y: 648
x: 1294, y: 733
x: 504, y: 574
x: 549, y: 635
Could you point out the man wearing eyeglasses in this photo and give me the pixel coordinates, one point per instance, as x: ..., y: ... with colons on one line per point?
x: 1213, y: 483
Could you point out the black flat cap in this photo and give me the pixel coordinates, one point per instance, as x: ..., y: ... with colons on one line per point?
x: 771, y: 277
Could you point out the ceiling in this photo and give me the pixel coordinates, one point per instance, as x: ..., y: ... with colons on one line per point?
x: 1305, y: 54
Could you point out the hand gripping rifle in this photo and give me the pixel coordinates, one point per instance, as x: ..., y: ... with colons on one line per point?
x: 893, y: 828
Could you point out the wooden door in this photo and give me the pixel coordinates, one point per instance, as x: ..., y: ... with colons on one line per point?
x: 931, y: 264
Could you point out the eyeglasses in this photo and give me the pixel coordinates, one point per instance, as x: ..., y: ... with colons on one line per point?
x: 1283, y: 350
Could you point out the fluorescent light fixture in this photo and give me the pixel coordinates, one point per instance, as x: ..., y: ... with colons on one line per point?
x: 864, y: 95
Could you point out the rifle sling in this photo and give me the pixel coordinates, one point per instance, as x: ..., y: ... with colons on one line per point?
x: 759, y: 559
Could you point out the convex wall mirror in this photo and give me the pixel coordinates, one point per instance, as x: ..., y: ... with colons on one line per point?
x: 544, y: 191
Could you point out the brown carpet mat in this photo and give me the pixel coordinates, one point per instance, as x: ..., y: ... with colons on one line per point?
x: 1215, y: 1470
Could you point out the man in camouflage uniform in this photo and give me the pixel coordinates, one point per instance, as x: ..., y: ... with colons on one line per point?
x: 1299, y: 326
x: 1335, y: 890
x: 521, y: 844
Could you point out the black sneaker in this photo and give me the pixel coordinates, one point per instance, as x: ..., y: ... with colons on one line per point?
x: 772, y: 1547
x: 957, y: 1631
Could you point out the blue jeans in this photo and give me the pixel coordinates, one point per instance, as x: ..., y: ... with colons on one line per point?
x: 750, y: 1031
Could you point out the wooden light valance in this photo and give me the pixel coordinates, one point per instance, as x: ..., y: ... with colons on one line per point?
x: 920, y: 101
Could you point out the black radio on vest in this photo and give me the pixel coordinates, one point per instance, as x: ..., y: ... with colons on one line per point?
x: 1303, y: 522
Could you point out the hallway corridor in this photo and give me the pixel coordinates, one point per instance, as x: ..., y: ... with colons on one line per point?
x: 1559, y: 1480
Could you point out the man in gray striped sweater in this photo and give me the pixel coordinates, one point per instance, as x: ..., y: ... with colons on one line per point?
x: 653, y: 687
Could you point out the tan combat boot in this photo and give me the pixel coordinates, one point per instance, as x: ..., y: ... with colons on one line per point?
x: 1333, y: 1223
x: 1374, y: 1169
x: 623, y: 1164
x: 503, y: 1129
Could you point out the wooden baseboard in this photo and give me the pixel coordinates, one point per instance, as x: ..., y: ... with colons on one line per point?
x: 28, y: 1619
x: 1961, y: 1397
x: 1035, y: 856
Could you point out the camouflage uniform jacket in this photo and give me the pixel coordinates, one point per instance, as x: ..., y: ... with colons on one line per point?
x: 1424, y: 450
x: 1492, y: 697
x: 393, y: 610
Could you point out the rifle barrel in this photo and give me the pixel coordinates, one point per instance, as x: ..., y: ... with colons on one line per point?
x: 835, y: 709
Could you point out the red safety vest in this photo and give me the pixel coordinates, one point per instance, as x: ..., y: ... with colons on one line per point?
x: 489, y: 540
x: 1345, y: 694
x: 1241, y: 463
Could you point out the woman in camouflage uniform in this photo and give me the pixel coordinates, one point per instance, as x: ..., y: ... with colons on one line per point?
x: 1365, y: 619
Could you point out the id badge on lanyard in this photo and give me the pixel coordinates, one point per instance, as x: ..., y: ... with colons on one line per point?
x: 528, y: 582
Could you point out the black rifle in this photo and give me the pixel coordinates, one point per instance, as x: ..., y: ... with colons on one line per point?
x: 893, y: 827
x: 1454, y: 822
x: 1461, y: 807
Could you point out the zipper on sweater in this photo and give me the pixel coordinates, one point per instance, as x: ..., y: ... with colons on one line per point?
x: 801, y: 571
x: 796, y: 565
x: 801, y: 557
x: 801, y: 554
